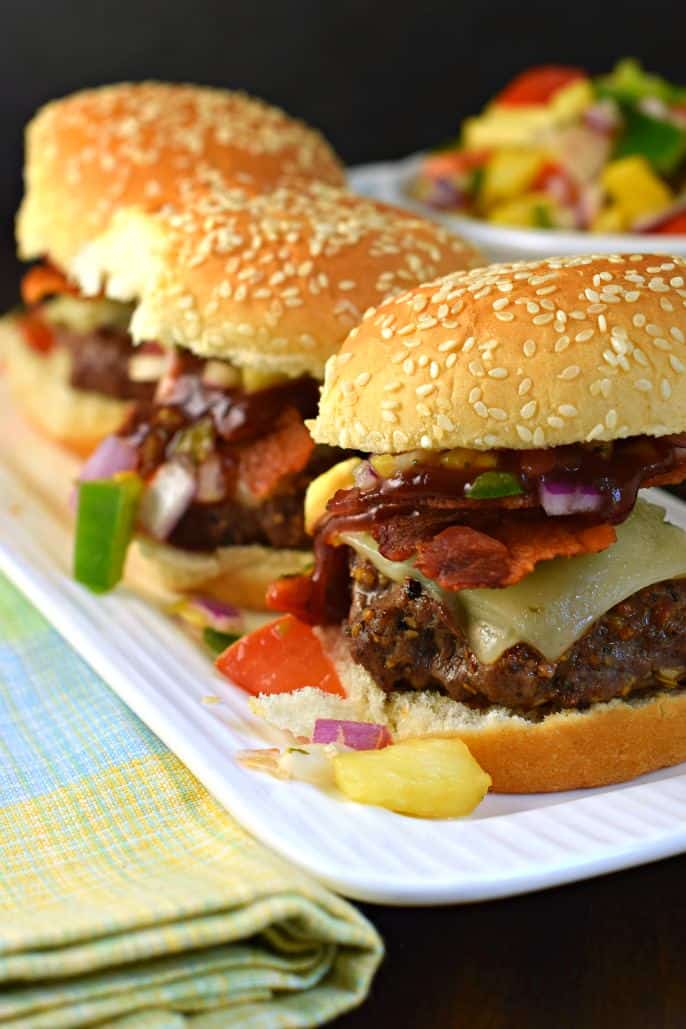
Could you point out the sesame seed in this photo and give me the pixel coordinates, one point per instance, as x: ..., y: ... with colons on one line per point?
x: 498, y: 373
x: 677, y: 334
x: 446, y: 345
x: 570, y: 372
x: 665, y: 389
x: 481, y: 409
x: 542, y: 319
x: 568, y: 410
x: 498, y: 414
x: 425, y: 389
x: 529, y: 409
x: 644, y: 385
x: 529, y: 347
x: 554, y: 422
x: 611, y: 419
x: 500, y: 303
x: 450, y: 360
x: 524, y: 434
x: 584, y: 335
x: 475, y: 394
x: 426, y: 442
x: 362, y: 379
x: 504, y: 316
x: 539, y: 437
x: 677, y: 364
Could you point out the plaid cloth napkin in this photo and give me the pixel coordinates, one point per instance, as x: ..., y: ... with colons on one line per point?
x: 128, y: 897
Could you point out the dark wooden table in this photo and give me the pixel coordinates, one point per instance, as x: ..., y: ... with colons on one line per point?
x: 603, y: 954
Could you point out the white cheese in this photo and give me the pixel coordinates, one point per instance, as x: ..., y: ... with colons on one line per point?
x: 558, y: 602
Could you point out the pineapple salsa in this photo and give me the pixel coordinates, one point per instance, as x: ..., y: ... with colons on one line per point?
x: 560, y: 149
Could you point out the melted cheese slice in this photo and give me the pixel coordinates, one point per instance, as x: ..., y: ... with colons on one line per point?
x: 558, y: 602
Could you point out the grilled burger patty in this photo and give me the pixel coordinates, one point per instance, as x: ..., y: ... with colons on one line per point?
x: 100, y: 363
x: 278, y: 521
x: 406, y: 640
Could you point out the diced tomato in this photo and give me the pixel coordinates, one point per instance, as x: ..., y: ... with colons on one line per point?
x: 449, y: 163
x: 538, y: 85
x: 674, y: 226
x: 279, y: 658
x: 44, y: 280
x: 554, y: 179
x: 283, y: 451
x: 37, y: 334
x: 290, y: 593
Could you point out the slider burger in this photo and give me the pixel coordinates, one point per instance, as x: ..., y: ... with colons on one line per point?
x: 254, y: 295
x: 70, y: 361
x: 490, y: 570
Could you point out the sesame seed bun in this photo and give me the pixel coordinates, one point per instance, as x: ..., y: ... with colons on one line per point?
x: 77, y: 419
x: 567, y: 750
x: 274, y: 282
x: 95, y: 151
x: 536, y: 354
x: 236, y: 575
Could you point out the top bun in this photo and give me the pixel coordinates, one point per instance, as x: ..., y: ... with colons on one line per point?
x: 536, y: 354
x: 274, y: 282
x: 141, y: 143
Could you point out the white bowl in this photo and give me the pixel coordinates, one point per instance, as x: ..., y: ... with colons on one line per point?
x: 391, y: 183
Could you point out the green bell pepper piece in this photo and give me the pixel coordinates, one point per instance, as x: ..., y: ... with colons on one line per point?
x: 628, y: 83
x: 218, y: 641
x: 660, y: 142
x: 491, y: 485
x: 104, y: 526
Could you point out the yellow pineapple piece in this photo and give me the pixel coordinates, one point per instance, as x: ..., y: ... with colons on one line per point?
x: 508, y: 173
x: 635, y: 188
x: 430, y: 777
x: 321, y: 489
x: 610, y: 219
x: 384, y: 464
x: 531, y: 211
x: 254, y: 380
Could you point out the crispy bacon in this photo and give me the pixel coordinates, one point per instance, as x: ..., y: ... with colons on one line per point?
x: 284, y: 450
x: 460, y: 557
x: 43, y: 280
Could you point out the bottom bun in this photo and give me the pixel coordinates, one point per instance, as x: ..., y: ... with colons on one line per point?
x: 77, y: 419
x: 236, y: 575
x: 567, y: 750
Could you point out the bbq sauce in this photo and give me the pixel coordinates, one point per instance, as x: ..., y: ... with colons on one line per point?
x: 435, y: 496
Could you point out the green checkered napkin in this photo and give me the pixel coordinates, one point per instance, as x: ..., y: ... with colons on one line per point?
x: 128, y: 897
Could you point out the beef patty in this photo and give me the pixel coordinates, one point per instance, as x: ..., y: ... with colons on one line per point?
x: 100, y: 363
x: 406, y: 640
x: 278, y: 521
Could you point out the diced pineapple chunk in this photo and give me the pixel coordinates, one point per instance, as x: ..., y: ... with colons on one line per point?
x: 508, y: 173
x: 384, y: 464
x: 610, y: 219
x: 429, y: 777
x: 533, y: 210
x: 463, y: 458
x: 254, y: 380
x: 321, y: 489
x: 635, y: 188
x: 572, y: 100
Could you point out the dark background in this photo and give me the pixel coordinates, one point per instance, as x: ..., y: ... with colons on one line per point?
x: 379, y: 78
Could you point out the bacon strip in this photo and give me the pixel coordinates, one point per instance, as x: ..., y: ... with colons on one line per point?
x: 43, y: 280
x: 460, y: 557
x: 283, y: 451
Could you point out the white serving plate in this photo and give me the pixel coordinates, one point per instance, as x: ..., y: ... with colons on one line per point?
x: 510, y: 845
x: 390, y: 181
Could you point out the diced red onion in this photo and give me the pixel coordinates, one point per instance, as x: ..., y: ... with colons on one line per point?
x: 206, y: 612
x: 167, y: 498
x: 357, y: 735
x: 444, y: 195
x: 602, y: 117
x: 211, y: 482
x: 566, y: 498
x: 365, y: 476
x: 115, y: 454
